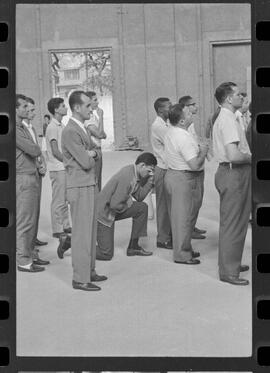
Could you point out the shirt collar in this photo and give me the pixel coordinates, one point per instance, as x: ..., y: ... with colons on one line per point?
x: 55, y: 121
x: 79, y: 123
x: 28, y: 125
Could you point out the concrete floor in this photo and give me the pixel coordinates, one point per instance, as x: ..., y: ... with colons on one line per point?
x: 148, y: 307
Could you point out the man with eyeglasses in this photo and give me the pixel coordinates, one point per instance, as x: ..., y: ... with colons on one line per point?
x: 116, y: 202
x: 189, y: 103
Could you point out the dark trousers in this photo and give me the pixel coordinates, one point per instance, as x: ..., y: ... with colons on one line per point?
x: 27, y: 195
x: 39, y: 180
x: 183, y: 202
x: 234, y: 188
x: 98, y: 170
x: 105, y: 235
x: 200, y: 189
x: 162, y: 211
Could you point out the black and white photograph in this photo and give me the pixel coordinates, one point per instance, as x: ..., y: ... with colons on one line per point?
x: 133, y: 180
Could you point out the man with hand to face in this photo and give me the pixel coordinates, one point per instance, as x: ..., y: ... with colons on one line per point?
x: 233, y: 183
x: 79, y: 160
x: 115, y: 202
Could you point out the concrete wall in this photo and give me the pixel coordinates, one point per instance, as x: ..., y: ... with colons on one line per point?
x: 157, y: 50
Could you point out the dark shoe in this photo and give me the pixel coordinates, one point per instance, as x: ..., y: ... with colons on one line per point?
x: 195, y: 254
x: 40, y: 243
x: 103, y: 257
x: 165, y: 245
x: 138, y: 251
x: 85, y: 286
x: 58, y: 234
x: 64, y: 245
x: 98, y: 278
x: 41, y: 262
x: 234, y: 280
x: 201, y: 231
x: 197, y: 236
x: 244, y: 268
x: 68, y: 230
x: 33, y: 268
x: 190, y: 261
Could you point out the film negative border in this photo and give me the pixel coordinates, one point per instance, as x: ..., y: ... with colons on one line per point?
x: 7, y: 192
x: 261, y: 234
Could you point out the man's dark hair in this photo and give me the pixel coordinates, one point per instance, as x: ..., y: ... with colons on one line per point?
x: 53, y: 104
x: 160, y: 102
x: 175, y: 114
x: 75, y: 99
x: 20, y: 97
x: 30, y: 100
x: 47, y: 116
x: 184, y: 100
x: 223, y: 91
x: 90, y: 94
x: 148, y: 158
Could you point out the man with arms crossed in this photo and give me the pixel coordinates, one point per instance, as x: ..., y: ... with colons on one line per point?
x: 27, y: 190
x: 233, y: 182
x: 79, y: 161
x: 59, y: 206
x: 158, y: 131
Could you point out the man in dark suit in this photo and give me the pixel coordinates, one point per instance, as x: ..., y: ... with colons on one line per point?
x: 27, y: 191
x: 79, y: 161
x: 115, y: 202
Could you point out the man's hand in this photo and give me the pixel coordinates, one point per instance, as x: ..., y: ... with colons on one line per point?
x: 92, y: 153
x: 99, y: 112
x: 204, y: 147
x: 42, y: 170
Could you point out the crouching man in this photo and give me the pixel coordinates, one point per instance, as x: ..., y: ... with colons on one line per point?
x: 115, y: 202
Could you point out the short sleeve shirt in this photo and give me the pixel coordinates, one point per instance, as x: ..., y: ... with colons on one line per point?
x: 180, y: 147
x: 54, y: 132
x: 94, y: 120
x: 158, y: 131
x: 226, y: 130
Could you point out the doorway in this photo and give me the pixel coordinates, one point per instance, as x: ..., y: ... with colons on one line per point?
x: 87, y: 70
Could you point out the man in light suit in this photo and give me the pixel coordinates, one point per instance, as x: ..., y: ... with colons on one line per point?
x: 115, y: 203
x: 27, y: 191
x: 79, y: 161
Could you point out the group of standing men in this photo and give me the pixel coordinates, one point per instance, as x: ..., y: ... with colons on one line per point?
x: 179, y: 177
x: 176, y: 172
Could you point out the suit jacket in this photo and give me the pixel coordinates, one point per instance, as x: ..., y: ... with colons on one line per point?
x: 116, y: 194
x: 27, y: 151
x: 80, y: 167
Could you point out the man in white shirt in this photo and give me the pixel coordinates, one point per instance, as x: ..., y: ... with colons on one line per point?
x: 184, y: 158
x: 95, y: 127
x: 41, y: 171
x: 158, y: 131
x: 59, y: 206
x: 190, y: 104
x: 233, y: 182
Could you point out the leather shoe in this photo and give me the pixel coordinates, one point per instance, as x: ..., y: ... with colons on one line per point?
x: 201, y: 231
x: 64, y: 245
x: 244, y: 268
x: 195, y: 254
x: 32, y: 268
x: 103, y: 257
x: 85, y: 286
x: 234, y: 280
x: 138, y: 251
x: 98, y: 278
x: 165, y: 245
x: 57, y: 234
x: 40, y: 243
x: 68, y: 230
x: 197, y: 236
x: 190, y: 261
x: 41, y: 262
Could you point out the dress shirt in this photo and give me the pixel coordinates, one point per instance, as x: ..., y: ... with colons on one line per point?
x: 54, y: 132
x: 180, y: 147
x: 158, y: 132
x: 30, y: 129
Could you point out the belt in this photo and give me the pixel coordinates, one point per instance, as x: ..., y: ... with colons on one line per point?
x: 232, y: 165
